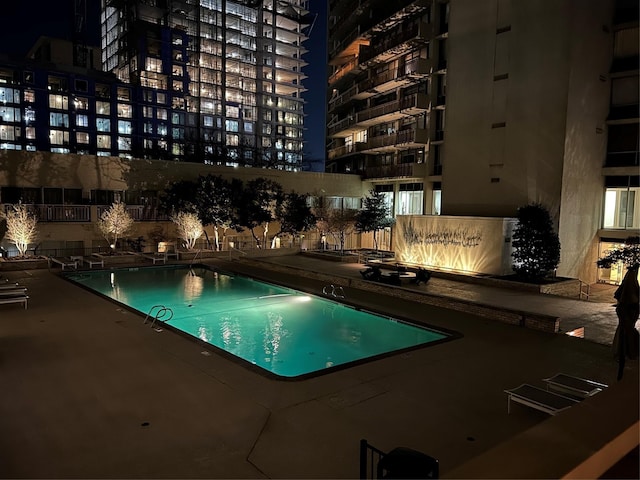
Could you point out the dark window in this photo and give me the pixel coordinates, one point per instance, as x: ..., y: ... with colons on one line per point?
x: 53, y: 196
x: 73, y: 196
x: 19, y: 194
x: 81, y: 85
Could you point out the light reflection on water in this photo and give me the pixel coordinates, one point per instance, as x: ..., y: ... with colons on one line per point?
x: 281, y: 330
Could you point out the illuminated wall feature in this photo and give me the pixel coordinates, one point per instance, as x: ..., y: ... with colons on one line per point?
x: 464, y: 244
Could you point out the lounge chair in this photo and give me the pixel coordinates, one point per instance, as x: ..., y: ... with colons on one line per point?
x: 12, y: 292
x: 579, y: 387
x: 154, y: 257
x: 18, y: 297
x: 63, y: 262
x: 538, y: 398
x: 94, y: 259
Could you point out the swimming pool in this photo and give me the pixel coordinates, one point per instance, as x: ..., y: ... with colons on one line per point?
x: 283, y: 331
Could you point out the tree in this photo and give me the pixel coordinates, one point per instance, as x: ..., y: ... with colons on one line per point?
x: 261, y: 199
x: 214, y: 199
x: 294, y: 215
x: 21, y: 227
x: 628, y: 254
x: 536, y: 245
x: 114, y: 223
x: 335, y: 222
x: 374, y: 216
x: 189, y: 227
x: 217, y: 202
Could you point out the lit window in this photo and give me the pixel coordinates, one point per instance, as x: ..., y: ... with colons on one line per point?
x: 7, y: 133
x: 103, y: 124
x: 59, y: 119
x: 103, y: 108
x: 9, y: 114
x: 124, y: 143
x: 124, y: 127
x: 81, y: 103
x: 124, y: 110
x: 82, y: 120
x: 104, y: 141
x: 58, y: 137
x: 622, y: 208
x: 82, y: 137
x: 59, y: 101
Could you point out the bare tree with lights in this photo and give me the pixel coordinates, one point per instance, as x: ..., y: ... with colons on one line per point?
x: 114, y: 223
x: 189, y: 228
x: 21, y: 227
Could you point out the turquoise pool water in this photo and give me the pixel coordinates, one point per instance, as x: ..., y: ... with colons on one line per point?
x: 284, y: 331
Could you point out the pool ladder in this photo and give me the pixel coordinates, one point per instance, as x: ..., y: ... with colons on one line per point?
x: 160, y: 314
x: 336, y: 292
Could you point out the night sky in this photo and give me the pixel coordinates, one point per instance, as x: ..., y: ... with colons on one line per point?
x: 24, y: 22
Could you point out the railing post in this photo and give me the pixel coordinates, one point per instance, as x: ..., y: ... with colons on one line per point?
x: 363, y: 459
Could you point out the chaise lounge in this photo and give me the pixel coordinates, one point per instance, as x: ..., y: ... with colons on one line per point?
x: 538, y: 398
x: 154, y: 257
x: 575, y: 386
x: 17, y: 294
x: 63, y: 262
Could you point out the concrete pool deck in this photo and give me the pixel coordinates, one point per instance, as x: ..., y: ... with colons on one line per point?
x: 91, y: 392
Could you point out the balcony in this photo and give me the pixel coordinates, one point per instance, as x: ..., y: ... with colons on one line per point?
x: 396, y: 42
x: 386, y: 112
x: 408, y: 106
x: 88, y: 213
x: 402, y: 140
x: 342, y: 127
x: 343, y: 70
x: 412, y: 72
x: 415, y: 170
x: 345, y: 150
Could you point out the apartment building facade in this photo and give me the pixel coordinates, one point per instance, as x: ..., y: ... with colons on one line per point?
x: 221, y: 80
x: 541, y: 105
x: 387, y: 91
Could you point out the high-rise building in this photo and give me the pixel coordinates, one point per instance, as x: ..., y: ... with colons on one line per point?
x: 541, y: 107
x: 221, y: 80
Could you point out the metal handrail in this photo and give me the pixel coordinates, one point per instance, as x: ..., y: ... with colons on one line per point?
x: 237, y: 250
x: 336, y: 292
x: 194, y: 258
x: 160, y: 314
x: 584, y: 293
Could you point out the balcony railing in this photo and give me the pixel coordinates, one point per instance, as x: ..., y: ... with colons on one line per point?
x: 57, y: 213
x: 394, y: 39
x: 87, y: 213
x: 342, y: 71
x: 419, y: 101
x: 383, y: 142
x: 384, y: 171
x: 140, y: 213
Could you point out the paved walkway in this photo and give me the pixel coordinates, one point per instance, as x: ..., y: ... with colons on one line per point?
x: 91, y: 392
